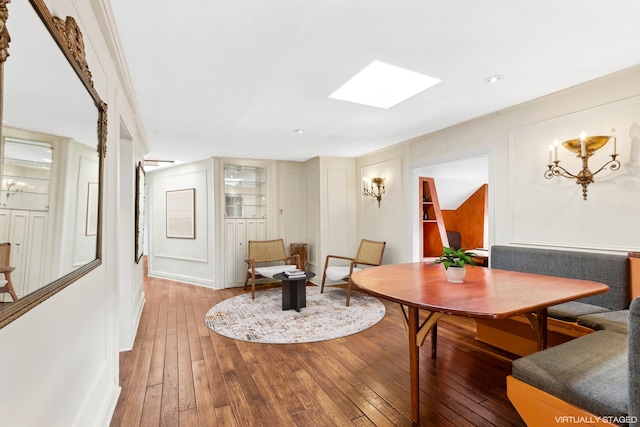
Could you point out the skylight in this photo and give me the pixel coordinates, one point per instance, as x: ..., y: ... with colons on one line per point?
x: 382, y: 85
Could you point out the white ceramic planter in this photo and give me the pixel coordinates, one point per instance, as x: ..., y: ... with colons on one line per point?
x: 455, y: 274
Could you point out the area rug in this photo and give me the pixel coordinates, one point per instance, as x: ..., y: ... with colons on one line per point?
x: 325, y: 317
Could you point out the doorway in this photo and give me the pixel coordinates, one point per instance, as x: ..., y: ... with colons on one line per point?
x: 456, y: 180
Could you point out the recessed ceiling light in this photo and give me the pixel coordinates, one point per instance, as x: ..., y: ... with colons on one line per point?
x: 382, y: 85
x: 493, y: 79
x: 298, y: 130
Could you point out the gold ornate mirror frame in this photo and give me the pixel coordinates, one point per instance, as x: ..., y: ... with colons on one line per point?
x: 68, y: 37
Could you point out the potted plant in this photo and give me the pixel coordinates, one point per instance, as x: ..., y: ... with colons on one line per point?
x: 454, y: 261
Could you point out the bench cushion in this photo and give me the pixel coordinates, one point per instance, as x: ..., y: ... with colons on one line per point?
x: 589, y: 372
x: 617, y: 321
x: 570, y: 311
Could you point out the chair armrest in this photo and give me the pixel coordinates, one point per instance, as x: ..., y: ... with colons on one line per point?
x: 338, y: 257
x: 356, y: 262
x: 6, y: 269
x: 251, y: 262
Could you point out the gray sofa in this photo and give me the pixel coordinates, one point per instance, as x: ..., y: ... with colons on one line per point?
x: 599, y: 372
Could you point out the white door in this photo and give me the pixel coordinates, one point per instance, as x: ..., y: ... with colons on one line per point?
x: 241, y: 251
x: 229, y: 253
x: 18, y: 237
x: 35, y: 260
x: 5, y: 224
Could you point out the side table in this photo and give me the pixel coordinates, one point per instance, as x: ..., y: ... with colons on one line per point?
x: 294, y: 291
x: 301, y: 250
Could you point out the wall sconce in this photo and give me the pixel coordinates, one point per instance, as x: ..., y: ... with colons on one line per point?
x: 585, y: 147
x: 370, y: 190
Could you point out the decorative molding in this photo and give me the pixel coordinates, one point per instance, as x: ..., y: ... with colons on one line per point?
x: 73, y: 36
x: 546, y: 213
x: 102, y: 129
x: 5, y: 38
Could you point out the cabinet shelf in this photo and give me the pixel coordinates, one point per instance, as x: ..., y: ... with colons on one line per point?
x: 244, y: 192
x: 17, y: 193
x: 26, y: 174
x: 432, y: 229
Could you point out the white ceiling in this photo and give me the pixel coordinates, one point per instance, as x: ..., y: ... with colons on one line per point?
x: 236, y: 78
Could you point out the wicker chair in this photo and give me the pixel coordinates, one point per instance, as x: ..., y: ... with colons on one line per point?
x: 264, y: 260
x: 369, y: 253
x: 5, y: 269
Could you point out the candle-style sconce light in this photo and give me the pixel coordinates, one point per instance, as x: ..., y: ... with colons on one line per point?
x: 374, y: 187
x: 584, y: 147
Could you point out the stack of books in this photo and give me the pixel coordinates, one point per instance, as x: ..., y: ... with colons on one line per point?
x: 295, y: 274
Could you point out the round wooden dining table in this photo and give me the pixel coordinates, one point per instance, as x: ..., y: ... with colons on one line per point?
x: 486, y: 293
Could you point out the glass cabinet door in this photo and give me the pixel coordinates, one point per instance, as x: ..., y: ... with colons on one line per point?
x: 26, y: 173
x: 244, y: 188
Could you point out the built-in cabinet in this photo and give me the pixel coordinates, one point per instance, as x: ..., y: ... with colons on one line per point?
x: 26, y: 172
x: 432, y: 228
x: 244, y: 192
x: 245, y: 210
x: 24, y: 210
x: 26, y: 231
x: 237, y: 232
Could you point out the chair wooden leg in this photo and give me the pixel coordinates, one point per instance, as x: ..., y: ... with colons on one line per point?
x: 434, y: 341
x: 324, y: 277
x: 348, y: 291
x: 8, y: 288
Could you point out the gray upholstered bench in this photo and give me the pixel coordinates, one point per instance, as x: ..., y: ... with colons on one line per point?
x: 596, y: 376
x: 610, y: 269
x: 568, y: 320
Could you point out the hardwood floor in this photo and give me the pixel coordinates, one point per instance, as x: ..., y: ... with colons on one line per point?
x: 180, y: 373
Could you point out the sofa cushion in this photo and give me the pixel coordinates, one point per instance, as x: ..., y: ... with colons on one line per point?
x: 570, y: 311
x: 589, y: 372
x: 617, y: 321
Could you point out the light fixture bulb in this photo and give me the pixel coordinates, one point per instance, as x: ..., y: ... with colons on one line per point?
x: 493, y: 79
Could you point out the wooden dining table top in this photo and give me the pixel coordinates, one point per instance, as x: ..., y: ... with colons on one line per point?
x: 486, y: 292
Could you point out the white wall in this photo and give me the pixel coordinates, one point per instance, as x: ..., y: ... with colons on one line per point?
x: 183, y: 259
x: 60, y: 360
x: 194, y: 260
x: 130, y: 275
x: 516, y: 141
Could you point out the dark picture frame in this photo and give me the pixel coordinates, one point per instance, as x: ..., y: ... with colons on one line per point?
x: 139, y: 215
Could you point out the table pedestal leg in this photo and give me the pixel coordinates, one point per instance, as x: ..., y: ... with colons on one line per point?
x: 539, y: 325
x: 542, y: 328
x: 417, y: 333
x: 414, y: 369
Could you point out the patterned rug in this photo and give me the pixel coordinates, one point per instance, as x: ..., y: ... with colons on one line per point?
x: 325, y: 317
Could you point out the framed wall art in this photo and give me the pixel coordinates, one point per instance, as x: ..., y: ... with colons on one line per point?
x: 181, y: 220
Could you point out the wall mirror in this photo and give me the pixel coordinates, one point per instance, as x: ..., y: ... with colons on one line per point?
x: 52, y: 148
